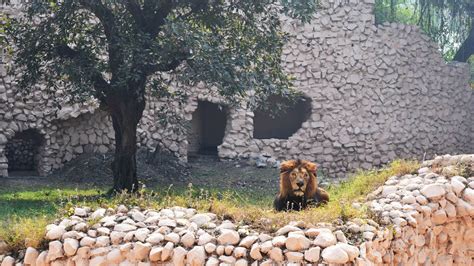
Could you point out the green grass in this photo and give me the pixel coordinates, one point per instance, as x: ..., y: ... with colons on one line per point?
x: 40, y: 201
x: 355, y: 189
x: 24, y: 213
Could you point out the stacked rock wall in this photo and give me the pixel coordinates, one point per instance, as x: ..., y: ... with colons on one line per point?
x: 432, y: 213
x: 21, y: 154
x: 377, y: 93
x: 88, y: 133
x: 423, y: 219
x: 22, y: 151
x: 64, y: 134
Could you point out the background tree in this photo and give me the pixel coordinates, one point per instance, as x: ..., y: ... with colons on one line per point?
x: 448, y: 22
x: 113, y: 50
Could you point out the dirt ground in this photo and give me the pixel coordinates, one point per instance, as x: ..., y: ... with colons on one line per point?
x: 157, y: 171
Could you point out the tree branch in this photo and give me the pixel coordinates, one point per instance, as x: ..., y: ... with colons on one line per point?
x: 99, y: 83
x: 467, y: 48
x: 196, y: 6
x: 155, y: 13
x: 105, y: 16
x: 167, y: 66
x: 135, y: 10
x: 107, y: 20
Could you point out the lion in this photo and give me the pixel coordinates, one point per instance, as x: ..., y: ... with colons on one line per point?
x: 299, y: 186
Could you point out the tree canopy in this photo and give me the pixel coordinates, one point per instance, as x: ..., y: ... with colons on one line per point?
x: 448, y: 22
x: 113, y: 50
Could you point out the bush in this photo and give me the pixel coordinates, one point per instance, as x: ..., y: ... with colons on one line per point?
x: 19, y: 232
x: 242, y: 207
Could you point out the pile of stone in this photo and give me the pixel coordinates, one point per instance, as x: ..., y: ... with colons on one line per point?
x: 180, y: 236
x: 451, y: 165
x: 262, y: 161
x: 432, y: 214
x: 423, y: 218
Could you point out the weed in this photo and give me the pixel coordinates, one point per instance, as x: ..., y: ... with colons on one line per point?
x: 25, y: 214
x: 20, y: 232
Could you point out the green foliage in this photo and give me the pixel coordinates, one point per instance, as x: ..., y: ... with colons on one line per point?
x: 402, y: 11
x: 20, y: 222
x: 21, y: 232
x: 113, y: 50
x: 364, y: 182
x: 95, y: 48
x: 447, y: 22
x: 340, y: 207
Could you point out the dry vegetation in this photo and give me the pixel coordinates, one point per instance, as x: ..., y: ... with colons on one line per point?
x: 20, y: 229
x: 340, y: 206
x: 20, y: 232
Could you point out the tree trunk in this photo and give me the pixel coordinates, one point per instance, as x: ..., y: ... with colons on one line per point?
x: 467, y: 48
x: 392, y: 11
x: 126, y: 112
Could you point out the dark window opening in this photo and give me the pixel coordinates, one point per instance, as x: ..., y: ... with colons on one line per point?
x: 22, y: 152
x: 281, y: 118
x: 207, y: 129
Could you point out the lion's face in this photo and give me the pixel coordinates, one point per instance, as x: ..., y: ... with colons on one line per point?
x: 298, y: 178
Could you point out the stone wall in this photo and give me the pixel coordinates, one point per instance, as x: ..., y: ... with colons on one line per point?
x: 22, y: 151
x: 64, y: 133
x: 423, y: 219
x: 432, y: 213
x: 377, y: 93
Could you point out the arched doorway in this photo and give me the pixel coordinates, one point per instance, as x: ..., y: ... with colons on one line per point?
x: 207, y: 129
x: 283, y: 123
x: 22, y: 152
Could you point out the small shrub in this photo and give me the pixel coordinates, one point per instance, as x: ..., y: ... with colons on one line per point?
x: 404, y: 167
x: 20, y: 232
x: 459, y: 169
x: 243, y: 207
x: 355, y: 189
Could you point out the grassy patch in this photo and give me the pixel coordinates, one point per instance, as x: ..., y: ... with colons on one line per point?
x: 24, y: 214
x: 339, y: 207
x: 39, y: 201
x: 21, y: 232
x: 454, y: 170
x: 364, y: 182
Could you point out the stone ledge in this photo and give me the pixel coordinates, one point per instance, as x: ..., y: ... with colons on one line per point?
x: 424, y: 219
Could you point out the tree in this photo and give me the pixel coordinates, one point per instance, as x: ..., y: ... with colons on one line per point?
x: 467, y: 47
x: 448, y: 22
x: 113, y: 50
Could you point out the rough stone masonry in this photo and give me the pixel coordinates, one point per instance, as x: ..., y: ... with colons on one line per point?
x: 377, y: 92
x: 425, y: 219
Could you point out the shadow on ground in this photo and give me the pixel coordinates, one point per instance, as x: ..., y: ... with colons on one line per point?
x: 90, y: 176
x: 163, y: 170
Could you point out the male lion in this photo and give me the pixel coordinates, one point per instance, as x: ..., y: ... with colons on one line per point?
x: 299, y: 186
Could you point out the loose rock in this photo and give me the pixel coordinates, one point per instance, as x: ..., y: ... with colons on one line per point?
x: 335, y: 254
